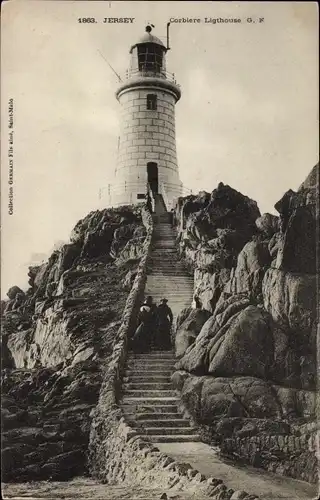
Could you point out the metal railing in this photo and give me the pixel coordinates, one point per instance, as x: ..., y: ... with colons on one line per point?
x: 150, y: 196
x: 131, y: 73
x: 166, y: 189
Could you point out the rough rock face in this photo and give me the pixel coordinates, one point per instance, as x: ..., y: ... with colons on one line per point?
x: 212, y: 237
x: 189, y: 329
x: 57, y: 338
x: 45, y: 418
x: 255, y: 355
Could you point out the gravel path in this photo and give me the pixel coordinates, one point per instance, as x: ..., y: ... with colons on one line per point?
x: 266, y: 485
x: 85, y: 488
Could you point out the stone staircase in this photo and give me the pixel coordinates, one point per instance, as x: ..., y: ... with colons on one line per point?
x: 149, y: 402
x: 167, y: 277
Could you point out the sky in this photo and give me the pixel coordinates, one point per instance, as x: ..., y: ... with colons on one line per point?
x: 247, y: 116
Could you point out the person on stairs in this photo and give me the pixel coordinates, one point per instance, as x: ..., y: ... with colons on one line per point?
x: 143, y: 337
x: 164, y: 323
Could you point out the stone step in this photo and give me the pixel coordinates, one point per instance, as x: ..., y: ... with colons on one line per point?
x: 154, y: 355
x: 171, y: 431
x: 149, y: 401
x: 142, y: 408
x: 165, y: 231
x: 157, y: 351
x: 174, y: 423
x: 149, y: 393
x: 178, y: 438
x: 155, y: 415
x: 171, y: 270
x: 174, y: 295
x: 166, y: 265
x: 164, y: 245
x: 170, y: 266
x: 164, y: 362
x: 153, y: 361
x: 164, y: 236
x: 150, y: 368
x: 149, y: 373
x: 168, y: 275
x: 166, y: 365
x: 153, y: 385
x: 164, y: 256
x: 173, y: 298
x: 175, y: 281
x: 184, y: 285
x: 137, y: 379
x: 158, y: 362
x: 173, y: 286
x: 160, y: 253
x: 164, y: 224
x: 157, y: 251
x: 162, y: 266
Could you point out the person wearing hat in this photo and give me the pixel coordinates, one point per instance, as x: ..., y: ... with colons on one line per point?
x: 143, y: 337
x: 164, y: 323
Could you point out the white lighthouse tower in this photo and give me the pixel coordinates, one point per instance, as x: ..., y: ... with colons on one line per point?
x: 147, y: 157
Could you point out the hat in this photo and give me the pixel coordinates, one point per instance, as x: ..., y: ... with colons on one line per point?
x: 164, y: 300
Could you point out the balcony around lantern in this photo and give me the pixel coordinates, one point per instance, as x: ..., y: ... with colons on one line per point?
x: 135, y: 78
x: 151, y: 73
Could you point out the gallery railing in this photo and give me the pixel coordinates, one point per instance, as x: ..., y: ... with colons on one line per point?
x: 135, y: 73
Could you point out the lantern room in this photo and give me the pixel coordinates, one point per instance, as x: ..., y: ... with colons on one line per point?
x: 148, y: 55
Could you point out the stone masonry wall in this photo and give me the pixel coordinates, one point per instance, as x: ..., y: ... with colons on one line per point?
x: 293, y: 455
x: 146, y: 135
x: 117, y: 454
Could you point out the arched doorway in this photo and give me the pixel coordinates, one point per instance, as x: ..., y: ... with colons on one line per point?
x: 152, y: 170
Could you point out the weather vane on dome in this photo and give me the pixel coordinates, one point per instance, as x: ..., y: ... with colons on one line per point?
x: 149, y: 27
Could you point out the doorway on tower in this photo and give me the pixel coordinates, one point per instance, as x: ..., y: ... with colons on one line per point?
x: 153, y: 181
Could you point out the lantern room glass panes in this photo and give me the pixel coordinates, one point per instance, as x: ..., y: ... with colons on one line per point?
x: 150, y: 57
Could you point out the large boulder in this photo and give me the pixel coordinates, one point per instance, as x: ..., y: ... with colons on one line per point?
x: 208, y: 398
x: 230, y: 209
x: 291, y: 300
x: 189, y: 329
x: 252, y: 263
x: 13, y: 292
x: 245, y: 348
x: 299, y: 216
x: 196, y: 358
x: 267, y: 224
x: 208, y: 286
x: 225, y: 221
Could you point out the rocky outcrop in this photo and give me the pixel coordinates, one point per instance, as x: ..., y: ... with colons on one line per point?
x: 117, y: 453
x: 58, y: 337
x: 257, y: 276
x: 45, y: 419
x: 211, y: 237
x: 77, y: 293
x: 189, y: 329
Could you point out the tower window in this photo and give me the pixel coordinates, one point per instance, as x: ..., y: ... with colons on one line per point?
x: 151, y: 101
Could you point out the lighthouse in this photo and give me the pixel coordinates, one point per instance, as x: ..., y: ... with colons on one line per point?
x: 147, y: 157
